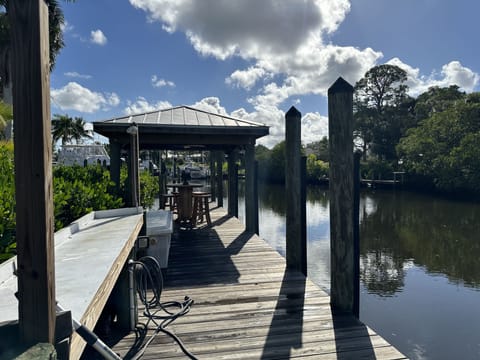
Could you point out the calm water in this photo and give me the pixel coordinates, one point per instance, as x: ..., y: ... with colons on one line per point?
x: 420, y: 266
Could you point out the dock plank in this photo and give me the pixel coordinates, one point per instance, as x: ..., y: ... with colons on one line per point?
x: 247, y: 305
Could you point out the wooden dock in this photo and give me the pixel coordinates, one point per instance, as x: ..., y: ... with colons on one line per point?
x: 247, y: 306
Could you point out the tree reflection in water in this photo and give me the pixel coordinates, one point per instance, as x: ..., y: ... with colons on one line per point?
x: 398, y: 228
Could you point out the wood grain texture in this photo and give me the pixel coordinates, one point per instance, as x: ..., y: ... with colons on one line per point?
x: 248, y: 305
x: 294, y: 223
x: 340, y: 136
x: 33, y: 169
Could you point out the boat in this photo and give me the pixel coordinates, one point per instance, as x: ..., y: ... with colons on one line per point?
x: 195, y: 171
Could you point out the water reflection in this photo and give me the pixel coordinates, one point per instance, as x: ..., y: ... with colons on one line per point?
x: 398, y: 230
x: 420, y: 268
x: 439, y: 235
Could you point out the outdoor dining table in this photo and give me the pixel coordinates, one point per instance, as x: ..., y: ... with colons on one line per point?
x: 184, y: 201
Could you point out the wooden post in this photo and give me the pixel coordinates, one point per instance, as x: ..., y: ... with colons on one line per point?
x: 356, y: 232
x: 219, y: 177
x: 33, y: 170
x: 303, y: 216
x: 232, y: 183
x: 251, y: 191
x: 293, y: 189
x: 115, y: 163
x: 133, y: 169
x: 212, y: 177
x: 340, y: 129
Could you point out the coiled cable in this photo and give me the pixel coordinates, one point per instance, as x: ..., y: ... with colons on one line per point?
x: 148, y: 276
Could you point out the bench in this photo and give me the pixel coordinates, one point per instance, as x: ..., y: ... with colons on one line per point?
x: 90, y: 255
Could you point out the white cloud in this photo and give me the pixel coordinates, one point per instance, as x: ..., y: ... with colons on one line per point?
x: 141, y: 105
x: 75, y: 74
x: 245, y: 78
x: 210, y: 104
x: 157, y: 82
x: 285, y: 47
x: 74, y: 96
x: 453, y: 73
x: 97, y: 37
x: 281, y: 41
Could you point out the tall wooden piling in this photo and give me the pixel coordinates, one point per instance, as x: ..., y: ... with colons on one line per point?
x: 295, y: 249
x: 33, y: 170
x: 340, y: 130
x: 251, y: 190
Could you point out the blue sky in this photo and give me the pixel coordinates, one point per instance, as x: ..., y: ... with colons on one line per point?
x: 254, y: 59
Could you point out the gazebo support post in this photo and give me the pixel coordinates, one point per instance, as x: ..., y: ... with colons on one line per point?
x: 213, y: 187
x: 219, y: 177
x: 251, y: 191
x: 232, y: 183
x: 115, y: 163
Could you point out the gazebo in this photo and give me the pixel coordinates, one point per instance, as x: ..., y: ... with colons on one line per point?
x: 187, y: 128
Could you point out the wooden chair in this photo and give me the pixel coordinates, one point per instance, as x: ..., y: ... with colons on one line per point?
x: 201, y: 209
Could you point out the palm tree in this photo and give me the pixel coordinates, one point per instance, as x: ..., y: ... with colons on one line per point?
x: 65, y: 128
x: 56, y: 21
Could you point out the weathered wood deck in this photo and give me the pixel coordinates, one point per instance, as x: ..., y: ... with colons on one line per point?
x: 247, y: 306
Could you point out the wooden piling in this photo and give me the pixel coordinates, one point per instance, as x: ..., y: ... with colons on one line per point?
x: 356, y: 232
x: 293, y: 167
x: 33, y: 170
x: 251, y: 190
x: 343, y: 277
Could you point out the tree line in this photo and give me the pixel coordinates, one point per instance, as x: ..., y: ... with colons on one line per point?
x: 432, y: 138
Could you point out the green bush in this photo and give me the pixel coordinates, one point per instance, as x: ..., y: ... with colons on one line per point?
x: 7, y: 201
x: 80, y: 190
x: 317, y: 170
x: 148, y: 187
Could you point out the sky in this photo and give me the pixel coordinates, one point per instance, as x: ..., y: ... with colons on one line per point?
x: 254, y: 59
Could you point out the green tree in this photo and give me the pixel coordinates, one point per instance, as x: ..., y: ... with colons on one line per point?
x: 383, y: 110
x: 56, y: 22
x: 319, y: 149
x: 65, y: 128
x: 437, y: 99
x: 443, y: 149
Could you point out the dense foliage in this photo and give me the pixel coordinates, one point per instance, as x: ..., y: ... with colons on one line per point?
x: 444, y: 147
x: 271, y: 163
x: 7, y: 201
x: 77, y: 191
x: 80, y: 190
x: 433, y: 138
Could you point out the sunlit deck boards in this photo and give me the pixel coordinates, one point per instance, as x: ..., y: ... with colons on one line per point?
x: 248, y: 307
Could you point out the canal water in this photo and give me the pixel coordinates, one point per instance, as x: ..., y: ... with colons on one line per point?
x: 419, y: 265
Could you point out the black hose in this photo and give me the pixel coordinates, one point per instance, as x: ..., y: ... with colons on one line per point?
x: 149, y: 276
